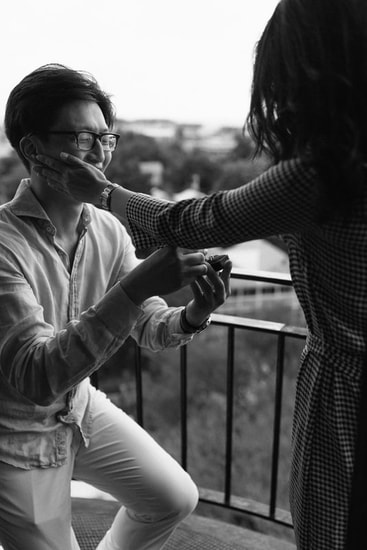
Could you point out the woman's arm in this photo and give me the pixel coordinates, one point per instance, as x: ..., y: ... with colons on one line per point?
x: 284, y: 199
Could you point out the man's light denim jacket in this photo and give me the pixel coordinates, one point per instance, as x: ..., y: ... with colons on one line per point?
x: 59, y: 323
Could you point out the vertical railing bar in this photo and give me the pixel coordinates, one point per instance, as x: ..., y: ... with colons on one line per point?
x: 183, y: 402
x: 229, y: 436
x: 229, y: 416
x: 277, y: 422
x: 139, y: 386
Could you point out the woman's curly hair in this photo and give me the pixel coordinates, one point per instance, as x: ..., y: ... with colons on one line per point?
x: 309, y: 92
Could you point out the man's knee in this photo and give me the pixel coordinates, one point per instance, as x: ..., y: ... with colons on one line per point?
x: 190, y: 499
x: 177, y: 503
x: 184, y: 499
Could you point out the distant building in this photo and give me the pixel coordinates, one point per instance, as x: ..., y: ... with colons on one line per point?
x: 161, y: 130
x: 190, y: 132
x: 213, y: 141
x: 154, y: 169
x: 216, y: 141
x: 192, y: 191
x: 257, y: 256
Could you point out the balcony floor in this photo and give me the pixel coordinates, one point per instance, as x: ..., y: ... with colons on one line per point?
x: 92, y: 517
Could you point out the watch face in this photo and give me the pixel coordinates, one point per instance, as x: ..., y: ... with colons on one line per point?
x: 204, y: 325
x: 105, y: 195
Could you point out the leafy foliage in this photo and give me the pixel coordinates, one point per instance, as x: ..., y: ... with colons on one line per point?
x: 11, y: 172
x: 179, y: 166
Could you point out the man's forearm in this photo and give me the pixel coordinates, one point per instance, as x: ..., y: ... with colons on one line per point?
x: 53, y: 365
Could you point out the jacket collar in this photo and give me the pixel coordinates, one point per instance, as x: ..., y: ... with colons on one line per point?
x: 25, y: 203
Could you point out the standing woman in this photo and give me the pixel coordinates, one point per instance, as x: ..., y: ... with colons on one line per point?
x: 309, y: 111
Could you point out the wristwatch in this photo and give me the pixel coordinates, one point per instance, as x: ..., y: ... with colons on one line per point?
x: 186, y: 327
x: 105, y: 196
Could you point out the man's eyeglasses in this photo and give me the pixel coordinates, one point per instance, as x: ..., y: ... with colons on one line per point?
x: 85, y: 141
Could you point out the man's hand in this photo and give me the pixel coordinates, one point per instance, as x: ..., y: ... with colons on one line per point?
x: 163, y: 272
x: 72, y: 176
x: 210, y: 292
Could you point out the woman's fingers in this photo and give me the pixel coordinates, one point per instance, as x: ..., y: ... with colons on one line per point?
x: 72, y: 176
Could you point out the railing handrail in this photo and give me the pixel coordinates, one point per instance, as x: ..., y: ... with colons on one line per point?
x: 270, y: 327
x: 262, y: 276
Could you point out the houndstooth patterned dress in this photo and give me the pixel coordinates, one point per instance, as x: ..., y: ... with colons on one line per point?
x: 328, y: 264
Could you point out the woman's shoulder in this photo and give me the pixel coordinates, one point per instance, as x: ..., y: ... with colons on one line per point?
x: 294, y: 176
x: 300, y: 167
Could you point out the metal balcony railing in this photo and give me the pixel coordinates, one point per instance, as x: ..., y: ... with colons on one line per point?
x: 282, y: 332
x: 226, y: 498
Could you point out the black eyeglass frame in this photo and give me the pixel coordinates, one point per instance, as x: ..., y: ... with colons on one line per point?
x: 94, y: 134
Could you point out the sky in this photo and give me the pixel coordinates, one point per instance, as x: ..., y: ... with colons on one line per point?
x: 184, y: 60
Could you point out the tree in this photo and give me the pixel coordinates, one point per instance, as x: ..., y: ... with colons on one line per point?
x: 197, y: 164
x: 12, y: 171
x: 244, y: 149
x: 125, y: 165
x: 237, y: 172
x: 174, y: 158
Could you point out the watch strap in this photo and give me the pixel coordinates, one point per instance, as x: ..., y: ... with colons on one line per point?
x: 105, y: 196
x: 186, y: 327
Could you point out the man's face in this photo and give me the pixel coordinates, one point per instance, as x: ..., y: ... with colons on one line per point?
x: 78, y: 116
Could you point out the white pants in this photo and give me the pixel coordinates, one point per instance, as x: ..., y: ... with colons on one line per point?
x: 123, y: 460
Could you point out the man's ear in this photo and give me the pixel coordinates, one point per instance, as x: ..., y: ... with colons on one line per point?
x: 28, y: 147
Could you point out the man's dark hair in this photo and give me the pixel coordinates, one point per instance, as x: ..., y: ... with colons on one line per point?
x: 309, y: 91
x: 34, y: 104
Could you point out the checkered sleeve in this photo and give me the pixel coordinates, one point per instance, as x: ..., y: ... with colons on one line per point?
x: 282, y: 200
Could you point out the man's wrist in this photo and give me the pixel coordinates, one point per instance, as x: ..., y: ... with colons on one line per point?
x: 188, y: 327
x: 105, y: 196
x: 135, y: 291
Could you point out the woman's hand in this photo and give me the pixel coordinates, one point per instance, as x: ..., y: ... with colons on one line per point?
x: 165, y: 271
x: 72, y: 176
x: 210, y: 292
